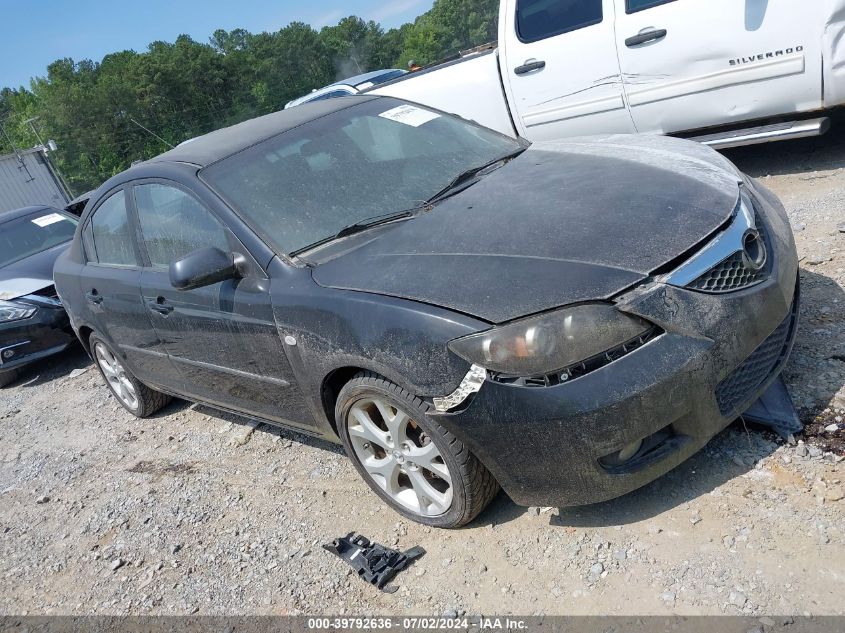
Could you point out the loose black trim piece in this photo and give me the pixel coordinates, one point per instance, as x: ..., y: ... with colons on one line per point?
x: 375, y: 563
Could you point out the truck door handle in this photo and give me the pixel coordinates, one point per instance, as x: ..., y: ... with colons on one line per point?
x: 529, y: 67
x: 94, y: 297
x: 651, y: 35
x: 160, y: 305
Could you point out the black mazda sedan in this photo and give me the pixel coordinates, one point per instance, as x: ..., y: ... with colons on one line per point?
x: 33, y: 324
x: 461, y: 310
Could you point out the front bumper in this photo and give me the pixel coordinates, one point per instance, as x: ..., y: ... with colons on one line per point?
x: 717, y: 356
x: 25, y: 341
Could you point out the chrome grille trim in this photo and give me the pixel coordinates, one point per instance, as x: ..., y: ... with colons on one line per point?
x: 723, y: 265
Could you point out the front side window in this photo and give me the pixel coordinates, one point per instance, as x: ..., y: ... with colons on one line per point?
x: 34, y: 233
x: 111, y: 233
x: 174, y: 223
x: 539, y: 19
x: 374, y: 158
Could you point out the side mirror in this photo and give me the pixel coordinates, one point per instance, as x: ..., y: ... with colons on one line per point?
x: 202, y: 267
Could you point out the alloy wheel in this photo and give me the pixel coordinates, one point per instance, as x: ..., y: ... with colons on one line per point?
x: 399, y: 457
x: 116, y: 376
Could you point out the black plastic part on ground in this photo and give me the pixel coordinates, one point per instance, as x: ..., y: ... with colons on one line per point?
x: 375, y: 563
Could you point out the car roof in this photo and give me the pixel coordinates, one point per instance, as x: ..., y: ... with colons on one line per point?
x: 12, y: 214
x: 217, y: 145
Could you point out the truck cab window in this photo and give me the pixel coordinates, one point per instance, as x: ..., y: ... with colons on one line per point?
x: 539, y: 19
x: 632, y: 6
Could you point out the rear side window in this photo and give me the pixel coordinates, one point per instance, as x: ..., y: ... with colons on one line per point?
x: 111, y: 233
x: 539, y: 19
x: 174, y: 223
x: 632, y: 6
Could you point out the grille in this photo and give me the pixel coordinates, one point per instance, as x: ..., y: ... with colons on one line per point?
x: 753, y: 372
x: 732, y: 273
x: 727, y: 276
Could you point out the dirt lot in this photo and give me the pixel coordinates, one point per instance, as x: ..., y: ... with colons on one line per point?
x: 196, y: 512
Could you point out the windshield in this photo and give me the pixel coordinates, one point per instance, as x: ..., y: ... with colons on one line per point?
x: 374, y: 158
x: 33, y: 233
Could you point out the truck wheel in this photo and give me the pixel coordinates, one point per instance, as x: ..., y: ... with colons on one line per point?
x: 415, y: 465
x: 8, y: 377
x: 135, y: 396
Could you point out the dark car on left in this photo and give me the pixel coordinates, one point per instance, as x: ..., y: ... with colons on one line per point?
x: 33, y: 323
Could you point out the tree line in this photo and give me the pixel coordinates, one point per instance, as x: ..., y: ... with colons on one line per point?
x: 131, y: 106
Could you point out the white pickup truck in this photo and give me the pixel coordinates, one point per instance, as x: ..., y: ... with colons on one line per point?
x: 726, y: 72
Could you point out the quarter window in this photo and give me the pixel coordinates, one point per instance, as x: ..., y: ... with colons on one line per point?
x: 539, y: 19
x: 111, y: 233
x: 174, y: 223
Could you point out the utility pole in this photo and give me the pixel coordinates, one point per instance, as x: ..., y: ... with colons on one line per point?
x: 31, y: 122
x: 22, y: 164
x: 46, y: 150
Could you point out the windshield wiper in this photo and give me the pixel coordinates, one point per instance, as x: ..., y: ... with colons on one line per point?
x: 457, y: 183
x: 357, y: 227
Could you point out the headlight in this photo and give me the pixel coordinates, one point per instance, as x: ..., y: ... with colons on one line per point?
x: 10, y: 311
x: 550, y: 342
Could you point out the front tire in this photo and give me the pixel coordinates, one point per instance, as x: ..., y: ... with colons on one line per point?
x: 409, y: 460
x: 140, y: 400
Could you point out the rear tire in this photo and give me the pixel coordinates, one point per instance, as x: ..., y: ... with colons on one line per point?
x: 8, y: 377
x: 136, y: 397
x: 415, y: 465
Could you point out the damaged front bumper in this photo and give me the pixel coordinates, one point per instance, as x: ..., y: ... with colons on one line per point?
x: 717, y: 354
x: 25, y: 341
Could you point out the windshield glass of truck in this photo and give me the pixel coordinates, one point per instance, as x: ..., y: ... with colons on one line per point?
x: 33, y: 233
x: 374, y: 158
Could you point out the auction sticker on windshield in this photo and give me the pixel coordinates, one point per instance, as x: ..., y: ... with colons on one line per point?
x: 410, y: 115
x: 47, y: 220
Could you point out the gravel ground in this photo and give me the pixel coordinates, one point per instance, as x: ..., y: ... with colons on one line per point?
x: 197, y: 512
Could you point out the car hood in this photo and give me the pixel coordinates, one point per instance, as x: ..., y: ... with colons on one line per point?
x: 30, y: 274
x: 562, y: 223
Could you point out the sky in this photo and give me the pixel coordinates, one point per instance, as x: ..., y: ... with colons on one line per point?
x: 36, y: 33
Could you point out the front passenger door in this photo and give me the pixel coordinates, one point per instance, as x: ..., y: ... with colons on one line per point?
x: 222, y: 338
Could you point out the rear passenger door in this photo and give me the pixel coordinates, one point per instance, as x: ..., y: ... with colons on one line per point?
x: 111, y: 283
x: 561, y: 70
x: 222, y: 338
x: 692, y: 64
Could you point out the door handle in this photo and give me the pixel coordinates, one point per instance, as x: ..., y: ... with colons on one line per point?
x: 94, y: 297
x: 648, y: 35
x: 651, y: 35
x: 530, y: 67
x: 160, y: 305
